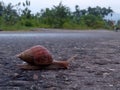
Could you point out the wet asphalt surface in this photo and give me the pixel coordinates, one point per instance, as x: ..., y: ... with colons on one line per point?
x: 96, y: 67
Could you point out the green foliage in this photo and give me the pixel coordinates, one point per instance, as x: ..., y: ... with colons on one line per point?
x: 69, y: 25
x: 56, y: 16
x: 93, y: 21
x: 9, y: 15
x: 118, y: 24
x: 60, y: 16
x: 98, y: 11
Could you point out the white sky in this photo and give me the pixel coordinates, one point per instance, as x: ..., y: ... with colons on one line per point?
x: 37, y: 5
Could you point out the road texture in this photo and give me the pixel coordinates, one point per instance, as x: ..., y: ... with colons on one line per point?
x: 96, y: 67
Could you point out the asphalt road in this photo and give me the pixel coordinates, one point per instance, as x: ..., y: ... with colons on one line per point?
x: 96, y: 67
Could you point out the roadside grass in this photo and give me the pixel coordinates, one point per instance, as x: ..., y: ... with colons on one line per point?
x: 18, y: 27
x: 15, y: 28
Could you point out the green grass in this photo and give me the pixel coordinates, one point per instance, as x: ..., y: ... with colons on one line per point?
x: 19, y: 27
x: 15, y: 28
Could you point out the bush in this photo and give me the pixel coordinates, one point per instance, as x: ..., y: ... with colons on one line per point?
x: 70, y: 25
x: 92, y: 21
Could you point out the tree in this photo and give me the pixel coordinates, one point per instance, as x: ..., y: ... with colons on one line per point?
x: 98, y: 11
x: 26, y: 12
x: 9, y: 14
x: 56, y: 16
x: 77, y: 14
x: 1, y: 8
x: 26, y: 15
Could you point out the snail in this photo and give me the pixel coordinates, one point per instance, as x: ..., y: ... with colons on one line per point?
x: 39, y: 57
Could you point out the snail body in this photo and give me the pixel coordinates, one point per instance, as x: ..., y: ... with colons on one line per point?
x: 38, y: 57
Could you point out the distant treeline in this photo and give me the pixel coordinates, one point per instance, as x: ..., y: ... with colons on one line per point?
x: 60, y: 16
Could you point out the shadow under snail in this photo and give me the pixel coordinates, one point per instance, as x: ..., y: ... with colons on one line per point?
x: 38, y: 57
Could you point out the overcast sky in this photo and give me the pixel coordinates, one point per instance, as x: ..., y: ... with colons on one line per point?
x: 37, y: 5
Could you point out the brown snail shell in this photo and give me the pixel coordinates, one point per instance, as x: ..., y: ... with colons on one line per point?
x: 39, y: 57
x: 36, y: 55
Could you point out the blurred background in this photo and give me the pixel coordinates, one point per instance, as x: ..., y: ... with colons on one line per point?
x: 65, y: 14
